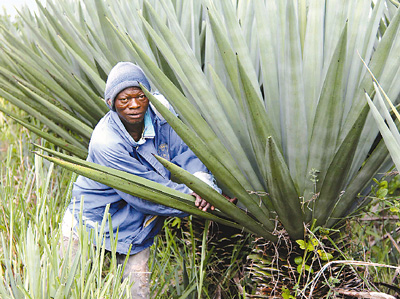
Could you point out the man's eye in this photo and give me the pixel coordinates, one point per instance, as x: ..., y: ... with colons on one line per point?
x: 123, y: 100
x: 142, y: 97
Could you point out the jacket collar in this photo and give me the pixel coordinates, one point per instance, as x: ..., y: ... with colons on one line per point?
x: 148, y: 133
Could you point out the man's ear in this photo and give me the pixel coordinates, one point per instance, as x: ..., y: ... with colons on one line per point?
x: 109, y: 103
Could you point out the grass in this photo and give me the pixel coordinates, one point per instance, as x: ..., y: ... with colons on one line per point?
x: 187, y: 261
x: 33, y: 199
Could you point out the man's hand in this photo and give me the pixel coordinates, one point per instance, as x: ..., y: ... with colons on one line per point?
x: 232, y: 200
x: 201, y: 203
x: 204, y: 205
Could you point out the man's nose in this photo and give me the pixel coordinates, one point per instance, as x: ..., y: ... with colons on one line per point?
x: 134, y: 103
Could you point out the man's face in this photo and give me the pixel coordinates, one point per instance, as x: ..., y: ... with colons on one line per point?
x: 131, y: 104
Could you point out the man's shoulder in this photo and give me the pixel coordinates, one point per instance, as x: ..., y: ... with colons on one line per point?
x: 105, y: 135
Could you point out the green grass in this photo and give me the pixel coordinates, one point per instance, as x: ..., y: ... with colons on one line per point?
x: 34, y: 195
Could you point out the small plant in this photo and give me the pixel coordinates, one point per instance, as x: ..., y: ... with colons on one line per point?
x: 308, y: 247
x: 315, y: 255
x: 286, y: 294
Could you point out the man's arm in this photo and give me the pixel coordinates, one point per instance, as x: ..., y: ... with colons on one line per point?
x: 115, y: 156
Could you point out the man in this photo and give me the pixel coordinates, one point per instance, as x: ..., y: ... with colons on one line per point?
x: 126, y: 139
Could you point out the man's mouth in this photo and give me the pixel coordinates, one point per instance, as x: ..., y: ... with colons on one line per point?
x: 135, y: 115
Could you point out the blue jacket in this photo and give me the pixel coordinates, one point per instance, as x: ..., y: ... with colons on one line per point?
x: 137, y: 220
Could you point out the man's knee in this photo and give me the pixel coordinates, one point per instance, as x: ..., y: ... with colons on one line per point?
x: 70, y: 247
x: 137, y: 268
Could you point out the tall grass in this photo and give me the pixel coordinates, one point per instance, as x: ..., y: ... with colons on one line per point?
x: 33, y: 198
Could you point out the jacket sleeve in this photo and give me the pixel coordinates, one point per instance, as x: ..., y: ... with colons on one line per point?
x: 117, y: 157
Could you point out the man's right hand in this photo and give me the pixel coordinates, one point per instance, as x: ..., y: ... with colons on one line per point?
x: 201, y: 203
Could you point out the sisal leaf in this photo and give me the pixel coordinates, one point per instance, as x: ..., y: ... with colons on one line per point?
x: 276, y: 172
x: 336, y: 177
x: 327, y: 121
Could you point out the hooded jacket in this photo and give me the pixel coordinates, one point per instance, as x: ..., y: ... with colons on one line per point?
x: 137, y: 220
